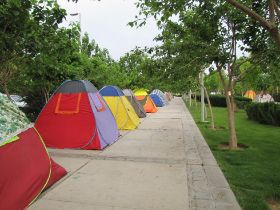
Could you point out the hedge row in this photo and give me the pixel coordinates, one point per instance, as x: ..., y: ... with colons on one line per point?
x: 276, y: 97
x: 266, y: 113
x: 220, y: 100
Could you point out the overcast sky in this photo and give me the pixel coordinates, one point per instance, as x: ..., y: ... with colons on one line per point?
x: 106, y: 22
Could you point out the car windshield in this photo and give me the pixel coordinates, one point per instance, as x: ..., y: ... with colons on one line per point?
x: 16, y: 98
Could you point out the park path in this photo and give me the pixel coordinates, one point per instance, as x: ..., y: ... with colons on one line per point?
x: 165, y: 164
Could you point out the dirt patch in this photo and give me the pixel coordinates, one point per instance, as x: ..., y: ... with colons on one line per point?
x: 225, y: 146
x: 273, y: 204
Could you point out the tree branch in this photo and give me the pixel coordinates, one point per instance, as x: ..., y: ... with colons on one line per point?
x: 250, y: 13
x: 272, y: 19
x: 277, y: 11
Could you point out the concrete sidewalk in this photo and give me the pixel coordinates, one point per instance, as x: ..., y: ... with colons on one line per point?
x: 163, y: 165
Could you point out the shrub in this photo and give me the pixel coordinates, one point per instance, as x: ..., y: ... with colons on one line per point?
x: 220, y: 101
x: 276, y: 97
x: 266, y: 113
x: 242, y: 102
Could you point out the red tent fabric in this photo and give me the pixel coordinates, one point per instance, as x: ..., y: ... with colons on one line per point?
x: 60, y: 109
x: 26, y: 170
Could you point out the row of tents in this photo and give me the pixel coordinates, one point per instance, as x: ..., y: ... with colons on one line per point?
x: 77, y: 116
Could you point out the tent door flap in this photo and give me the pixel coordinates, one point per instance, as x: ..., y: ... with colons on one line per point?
x: 68, y: 103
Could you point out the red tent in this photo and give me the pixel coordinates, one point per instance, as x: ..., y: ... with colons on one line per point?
x: 25, y: 170
x: 76, y: 116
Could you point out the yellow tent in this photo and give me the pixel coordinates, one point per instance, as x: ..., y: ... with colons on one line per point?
x: 141, y: 92
x: 144, y: 98
x: 124, y: 113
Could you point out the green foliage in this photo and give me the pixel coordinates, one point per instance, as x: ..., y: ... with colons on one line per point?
x: 266, y: 113
x: 24, y: 25
x: 212, y: 82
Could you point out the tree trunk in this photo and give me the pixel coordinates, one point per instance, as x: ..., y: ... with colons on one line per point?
x: 6, y: 90
x: 275, y: 35
x: 206, y: 113
x: 210, y: 108
x: 231, y: 121
x: 46, y: 94
x: 230, y: 110
x: 190, y: 98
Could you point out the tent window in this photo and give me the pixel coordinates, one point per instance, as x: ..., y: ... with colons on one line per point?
x: 98, y: 103
x: 68, y: 104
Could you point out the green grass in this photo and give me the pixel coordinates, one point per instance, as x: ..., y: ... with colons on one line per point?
x: 254, y: 173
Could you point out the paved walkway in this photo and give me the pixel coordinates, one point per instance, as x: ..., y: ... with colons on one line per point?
x: 163, y: 165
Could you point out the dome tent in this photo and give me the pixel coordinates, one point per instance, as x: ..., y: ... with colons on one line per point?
x: 122, y: 110
x: 139, y: 109
x: 161, y: 95
x: 25, y: 165
x: 143, y: 97
x: 168, y: 95
x: 250, y: 94
x: 157, y: 100
x: 76, y: 116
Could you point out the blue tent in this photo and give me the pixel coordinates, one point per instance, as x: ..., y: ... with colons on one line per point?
x: 111, y: 91
x: 161, y: 95
x: 157, y: 100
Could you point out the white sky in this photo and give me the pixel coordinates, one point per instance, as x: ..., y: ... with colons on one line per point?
x: 106, y: 22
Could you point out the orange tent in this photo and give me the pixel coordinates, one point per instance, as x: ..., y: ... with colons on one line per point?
x: 143, y: 97
x: 250, y: 94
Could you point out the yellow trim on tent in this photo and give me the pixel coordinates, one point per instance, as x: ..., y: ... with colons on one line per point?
x: 50, y: 172
x: 10, y: 140
x: 124, y: 113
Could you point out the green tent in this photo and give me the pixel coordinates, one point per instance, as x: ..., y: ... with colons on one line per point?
x: 12, y: 120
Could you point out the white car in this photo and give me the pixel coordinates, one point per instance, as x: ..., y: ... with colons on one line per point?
x: 18, y: 100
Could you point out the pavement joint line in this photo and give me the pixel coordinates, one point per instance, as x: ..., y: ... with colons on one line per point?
x: 140, y: 159
x: 91, y: 204
x: 125, y: 158
x: 159, y: 129
x: 131, y: 159
x: 172, y: 118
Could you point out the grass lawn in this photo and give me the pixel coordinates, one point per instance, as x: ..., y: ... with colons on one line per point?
x: 254, y: 173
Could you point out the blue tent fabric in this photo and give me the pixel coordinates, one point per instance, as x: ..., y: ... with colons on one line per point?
x: 111, y: 91
x: 161, y: 95
x: 157, y: 100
